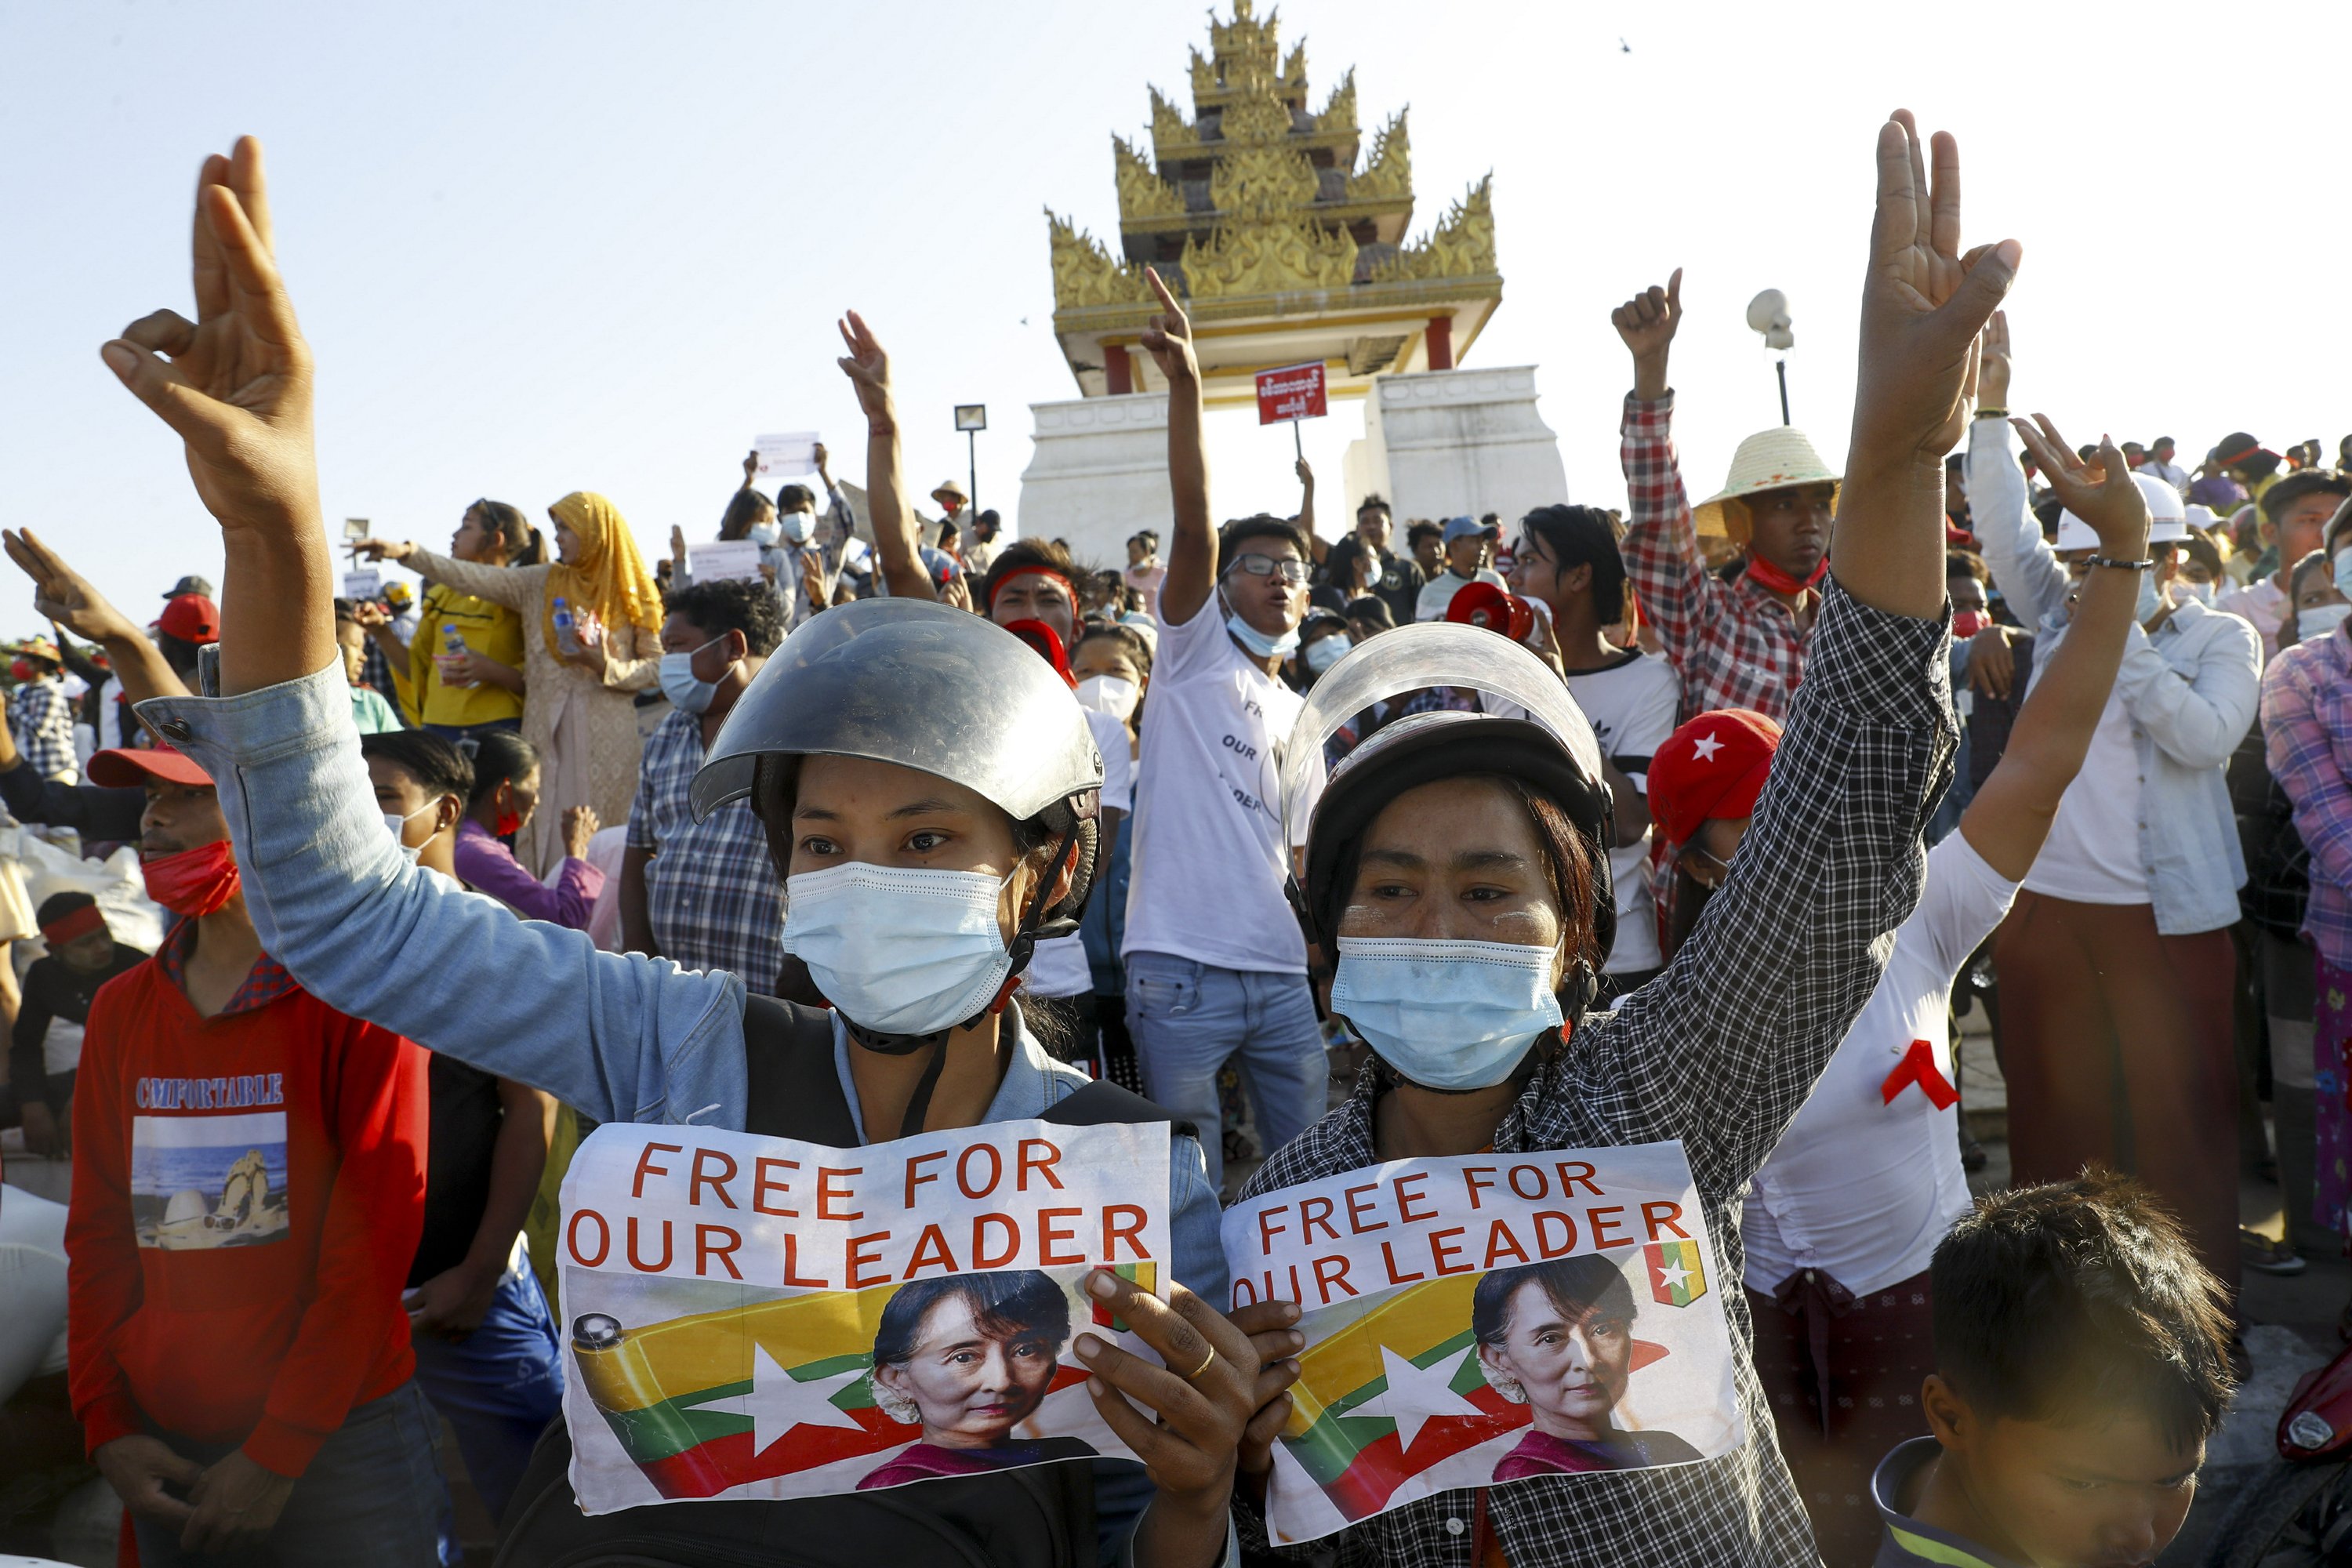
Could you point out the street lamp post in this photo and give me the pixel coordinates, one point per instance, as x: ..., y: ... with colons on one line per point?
x: 972, y: 418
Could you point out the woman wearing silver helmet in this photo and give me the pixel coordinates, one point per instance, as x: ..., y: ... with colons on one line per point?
x: 928, y: 788
x: 1457, y: 864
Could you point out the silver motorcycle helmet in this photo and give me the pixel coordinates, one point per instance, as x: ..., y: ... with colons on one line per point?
x: 930, y: 688
x: 1532, y: 730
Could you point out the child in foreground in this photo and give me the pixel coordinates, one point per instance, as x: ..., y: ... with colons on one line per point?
x: 2081, y: 1358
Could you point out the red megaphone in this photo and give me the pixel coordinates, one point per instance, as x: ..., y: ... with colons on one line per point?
x: 1483, y: 604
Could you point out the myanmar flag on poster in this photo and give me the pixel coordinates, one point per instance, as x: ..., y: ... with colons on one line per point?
x: 713, y: 1401
x: 1677, y: 1272
x: 1398, y: 1391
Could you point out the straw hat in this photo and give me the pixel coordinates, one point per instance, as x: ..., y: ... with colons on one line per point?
x: 1771, y: 459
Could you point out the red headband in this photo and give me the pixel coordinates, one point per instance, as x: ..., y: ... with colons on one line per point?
x: 1055, y: 573
x: 76, y: 923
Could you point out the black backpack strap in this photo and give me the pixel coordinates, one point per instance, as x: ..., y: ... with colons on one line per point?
x: 792, y: 1090
x: 1103, y: 1103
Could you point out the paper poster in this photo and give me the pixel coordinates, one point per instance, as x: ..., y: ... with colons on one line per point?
x: 754, y: 1317
x: 1475, y: 1322
x: 362, y: 583
x: 785, y: 457
x: 721, y: 559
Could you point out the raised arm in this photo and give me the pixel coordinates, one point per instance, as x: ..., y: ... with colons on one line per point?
x: 2024, y: 566
x: 1192, y: 556
x: 895, y: 546
x: 516, y: 587
x: 1661, y: 547
x: 2012, y: 813
x: 63, y: 595
x: 1723, y: 1049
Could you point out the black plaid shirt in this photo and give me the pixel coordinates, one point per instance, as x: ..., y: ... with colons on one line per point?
x: 1721, y: 1051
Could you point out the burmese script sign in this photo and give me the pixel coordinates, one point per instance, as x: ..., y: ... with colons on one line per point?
x: 1478, y: 1321
x: 757, y: 1317
x: 1294, y: 392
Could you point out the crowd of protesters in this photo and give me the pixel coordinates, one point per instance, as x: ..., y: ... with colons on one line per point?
x: 2079, y: 719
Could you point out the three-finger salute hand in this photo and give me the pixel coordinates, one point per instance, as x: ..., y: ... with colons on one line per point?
x: 1169, y: 339
x: 1992, y: 370
x: 2101, y: 492
x: 868, y: 369
x: 61, y: 594
x: 234, y: 383
x: 1203, y: 1396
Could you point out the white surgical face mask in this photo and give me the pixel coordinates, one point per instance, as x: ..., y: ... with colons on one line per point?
x: 399, y: 827
x: 2342, y: 572
x: 686, y: 691
x: 2311, y: 625
x: 1112, y: 694
x: 1257, y: 641
x: 794, y: 527
x: 2151, y: 597
x: 1446, y: 1014
x: 2200, y: 591
x: 899, y: 951
x: 1324, y: 652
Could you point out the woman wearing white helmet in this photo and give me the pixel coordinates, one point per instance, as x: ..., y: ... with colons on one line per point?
x: 928, y: 788
x: 1458, y: 863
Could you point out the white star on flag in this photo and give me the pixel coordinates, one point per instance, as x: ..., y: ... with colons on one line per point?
x: 1417, y: 1396
x: 779, y: 1402
x: 1673, y: 1277
x: 1706, y: 746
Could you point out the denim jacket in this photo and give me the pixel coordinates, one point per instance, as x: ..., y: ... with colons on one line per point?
x: 2190, y: 690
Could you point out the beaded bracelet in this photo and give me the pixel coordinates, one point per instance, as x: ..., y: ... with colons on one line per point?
x: 2125, y: 566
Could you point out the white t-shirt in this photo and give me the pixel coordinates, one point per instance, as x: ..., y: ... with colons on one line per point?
x: 1631, y: 704
x: 2092, y: 856
x: 1060, y: 966
x: 1861, y: 1187
x: 1208, y: 862
x: 1438, y: 593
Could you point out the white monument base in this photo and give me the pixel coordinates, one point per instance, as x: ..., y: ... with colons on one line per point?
x: 1450, y: 443
x: 1098, y: 473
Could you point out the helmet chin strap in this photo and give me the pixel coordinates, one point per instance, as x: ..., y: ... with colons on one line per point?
x: 1018, y: 950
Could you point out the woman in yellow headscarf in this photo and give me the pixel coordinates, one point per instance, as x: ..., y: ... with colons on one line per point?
x: 577, y: 707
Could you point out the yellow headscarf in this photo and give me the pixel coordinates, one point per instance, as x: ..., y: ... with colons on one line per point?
x: 609, y: 578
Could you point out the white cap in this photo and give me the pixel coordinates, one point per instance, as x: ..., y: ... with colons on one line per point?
x: 2168, y: 522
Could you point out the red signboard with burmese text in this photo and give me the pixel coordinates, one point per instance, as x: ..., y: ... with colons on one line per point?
x: 1293, y: 391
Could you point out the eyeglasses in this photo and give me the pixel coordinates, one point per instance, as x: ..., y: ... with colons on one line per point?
x: 1704, y: 866
x: 1289, y: 568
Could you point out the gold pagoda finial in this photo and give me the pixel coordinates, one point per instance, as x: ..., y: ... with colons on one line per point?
x: 1461, y: 245
x: 1339, y: 110
x: 1084, y: 274
x: 1141, y: 192
x: 1390, y: 170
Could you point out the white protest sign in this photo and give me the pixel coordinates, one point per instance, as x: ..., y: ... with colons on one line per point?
x: 723, y: 559
x: 757, y: 1317
x: 362, y: 583
x: 1478, y: 1321
x: 786, y: 455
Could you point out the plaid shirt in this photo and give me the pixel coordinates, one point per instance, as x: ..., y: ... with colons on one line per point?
x: 41, y: 718
x: 1720, y: 1052
x: 1735, y: 644
x: 2307, y: 733
x: 264, y: 983
x: 711, y: 892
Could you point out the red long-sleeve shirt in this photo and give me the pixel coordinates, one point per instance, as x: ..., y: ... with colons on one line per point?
x: 248, y: 1191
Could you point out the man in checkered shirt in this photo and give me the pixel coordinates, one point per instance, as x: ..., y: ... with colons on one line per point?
x: 1739, y: 644
x: 40, y: 715
x: 1722, y: 1049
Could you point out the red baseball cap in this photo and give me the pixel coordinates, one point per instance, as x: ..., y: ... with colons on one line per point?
x: 1713, y: 766
x: 190, y: 617
x: 130, y: 767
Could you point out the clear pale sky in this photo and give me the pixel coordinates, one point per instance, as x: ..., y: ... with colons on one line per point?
x: 540, y: 247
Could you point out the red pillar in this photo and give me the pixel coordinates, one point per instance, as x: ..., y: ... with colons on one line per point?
x: 1116, y: 368
x: 1441, y: 342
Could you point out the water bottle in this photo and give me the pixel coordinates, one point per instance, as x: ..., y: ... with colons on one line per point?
x: 453, y: 646
x: 567, y: 639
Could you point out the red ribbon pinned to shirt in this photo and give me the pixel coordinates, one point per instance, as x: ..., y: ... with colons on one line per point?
x: 1918, y: 1066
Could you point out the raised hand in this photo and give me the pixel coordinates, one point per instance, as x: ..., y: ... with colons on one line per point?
x: 1648, y: 323
x: 235, y: 384
x: 371, y: 614
x: 1169, y: 339
x: 580, y: 826
x: 382, y: 549
x: 62, y: 595
x: 750, y: 467
x: 2101, y: 493
x: 868, y: 369
x: 1993, y: 364
x: 1922, y: 305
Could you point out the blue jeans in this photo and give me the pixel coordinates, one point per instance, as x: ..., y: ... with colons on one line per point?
x: 499, y: 1386
x: 1188, y: 1017
x: 370, y: 1498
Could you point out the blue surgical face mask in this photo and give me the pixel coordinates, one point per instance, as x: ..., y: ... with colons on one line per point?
x: 899, y: 951
x: 1257, y: 641
x: 2343, y: 572
x: 765, y: 534
x: 1446, y: 1014
x: 686, y: 691
x: 2311, y: 625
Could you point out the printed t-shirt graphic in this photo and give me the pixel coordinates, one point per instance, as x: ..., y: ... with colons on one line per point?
x: 209, y: 1181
